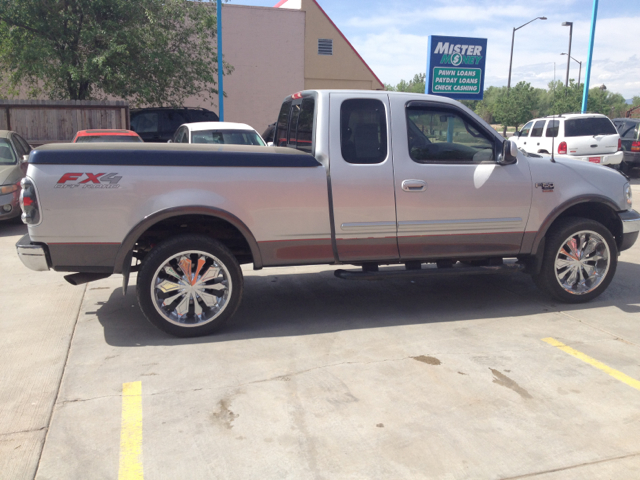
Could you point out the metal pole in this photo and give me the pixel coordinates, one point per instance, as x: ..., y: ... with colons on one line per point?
x: 513, y: 36
x: 587, y: 74
x: 220, y: 87
x: 579, y: 72
x: 566, y: 82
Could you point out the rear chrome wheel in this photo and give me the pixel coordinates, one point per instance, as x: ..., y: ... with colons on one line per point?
x: 580, y: 260
x: 191, y: 288
x: 189, y: 285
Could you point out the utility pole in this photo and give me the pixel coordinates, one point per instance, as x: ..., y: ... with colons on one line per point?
x: 570, y: 25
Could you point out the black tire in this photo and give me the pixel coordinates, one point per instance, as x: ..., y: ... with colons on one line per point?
x: 224, y: 287
x: 561, y: 232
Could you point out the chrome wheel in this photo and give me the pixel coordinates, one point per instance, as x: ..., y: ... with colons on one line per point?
x: 191, y: 289
x: 582, y: 262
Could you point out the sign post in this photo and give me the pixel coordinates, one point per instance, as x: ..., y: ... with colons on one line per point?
x: 455, y: 67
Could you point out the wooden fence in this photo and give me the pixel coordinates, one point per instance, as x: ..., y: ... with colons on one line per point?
x: 50, y: 121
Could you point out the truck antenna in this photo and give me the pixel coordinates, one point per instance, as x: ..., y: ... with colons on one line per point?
x: 553, y: 160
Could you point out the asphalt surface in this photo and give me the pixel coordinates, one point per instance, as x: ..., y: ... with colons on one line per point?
x: 320, y: 378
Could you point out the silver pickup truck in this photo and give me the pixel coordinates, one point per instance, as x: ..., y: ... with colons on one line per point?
x: 355, y: 177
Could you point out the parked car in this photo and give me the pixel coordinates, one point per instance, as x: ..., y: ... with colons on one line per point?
x: 414, y: 179
x: 106, y: 135
x: 267, y: 135
x: 629, y: 130
x: 590, y: 137
x: 13, y: 167
x: 217, y: 133
x: 160, y: 124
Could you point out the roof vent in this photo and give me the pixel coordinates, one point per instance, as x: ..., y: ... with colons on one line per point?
x: 325, y: 46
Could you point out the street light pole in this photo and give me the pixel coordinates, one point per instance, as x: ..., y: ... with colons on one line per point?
x: 579, y: 68
x: 570, y: 25
x: 220, y: 66
x: 513, y: 36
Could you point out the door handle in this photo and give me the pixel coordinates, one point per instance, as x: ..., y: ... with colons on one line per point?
x: 414, y: 186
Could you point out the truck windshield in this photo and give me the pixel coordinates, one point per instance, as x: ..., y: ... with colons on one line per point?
x: 7, y: 157
x: 583, y: 127
x: 229, y: 137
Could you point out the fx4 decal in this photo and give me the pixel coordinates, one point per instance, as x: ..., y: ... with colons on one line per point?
x: 89, y: 180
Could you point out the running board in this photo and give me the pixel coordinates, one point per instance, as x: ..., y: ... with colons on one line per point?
x: 506, y: 268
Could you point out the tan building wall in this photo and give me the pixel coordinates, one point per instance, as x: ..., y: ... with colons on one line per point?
x: 265, y: 48
x: 345, y: 68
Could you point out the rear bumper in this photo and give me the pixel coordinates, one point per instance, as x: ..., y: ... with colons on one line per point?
x: 605, y: 158
x: 32, y: 256
x: 630, y: 228
x: 632, y: 158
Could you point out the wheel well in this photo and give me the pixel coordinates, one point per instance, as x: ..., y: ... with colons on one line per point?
x: 600, y: 213
x: 211, y: 226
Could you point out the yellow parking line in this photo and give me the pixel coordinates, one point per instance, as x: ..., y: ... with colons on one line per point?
x: 632, y: 382
x: 131, y: 434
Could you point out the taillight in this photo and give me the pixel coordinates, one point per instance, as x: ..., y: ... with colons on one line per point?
x: 29, y: 202
x: 562, y: 148
x: 635, y: 146
x: 619, y: 144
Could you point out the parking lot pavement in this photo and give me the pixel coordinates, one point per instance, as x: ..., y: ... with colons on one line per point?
x: 317, y: 378
x: 37, y: 317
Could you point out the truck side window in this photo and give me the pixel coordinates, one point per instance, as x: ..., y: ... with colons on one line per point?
x: 363, y: 131
x: 280, y: 136
x: 537, y: 129
x: 442, y: 135
x: 525, y: 130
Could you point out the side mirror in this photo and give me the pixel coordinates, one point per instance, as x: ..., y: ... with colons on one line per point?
x: 509, y: 153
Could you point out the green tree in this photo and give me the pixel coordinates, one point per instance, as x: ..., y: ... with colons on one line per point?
x: 155, y: 52
x: 516, y: 106
x: 415, y: 85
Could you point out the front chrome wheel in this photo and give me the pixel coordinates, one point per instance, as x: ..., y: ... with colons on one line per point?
x: 191, y: 289
x: 582, y: 262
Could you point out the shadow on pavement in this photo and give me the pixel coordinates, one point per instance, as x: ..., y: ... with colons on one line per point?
x: 316, y: 303
x: 10, y: 228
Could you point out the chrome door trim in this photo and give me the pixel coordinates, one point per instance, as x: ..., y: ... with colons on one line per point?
x: 460, y: 225
x: 369, y: 226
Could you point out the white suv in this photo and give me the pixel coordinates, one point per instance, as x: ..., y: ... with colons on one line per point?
x: 590, y: 137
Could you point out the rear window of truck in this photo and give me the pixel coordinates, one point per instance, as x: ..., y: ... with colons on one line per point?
x: 586, y: 127
x: 294, y: 127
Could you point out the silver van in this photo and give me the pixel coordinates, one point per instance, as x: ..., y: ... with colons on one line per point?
x: 13, y: 148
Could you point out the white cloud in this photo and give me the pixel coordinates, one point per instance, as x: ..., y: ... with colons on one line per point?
x: 395, y: 54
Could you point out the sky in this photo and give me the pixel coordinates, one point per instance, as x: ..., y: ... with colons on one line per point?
x: 392, y: 37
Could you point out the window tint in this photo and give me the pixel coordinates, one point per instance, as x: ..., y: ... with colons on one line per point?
x: 363, y: 131
x: 172, y: 120
x: 441, y: 135
x: 203, y: 116
x: 583, y: 127
x: 229, y: 137
x: 18, y: 147
x: 293, y: 125
x: 145, y: 122
x: 537, y: 129
x: 280, y: 137
x: 628, y: 131
x: 525, y: 130
x: 552, y: 128
x: 25, y: 146
x: 304, y: 134
x: 7, y: 156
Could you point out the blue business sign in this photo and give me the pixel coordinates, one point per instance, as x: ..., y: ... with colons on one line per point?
x: 455, y: 67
